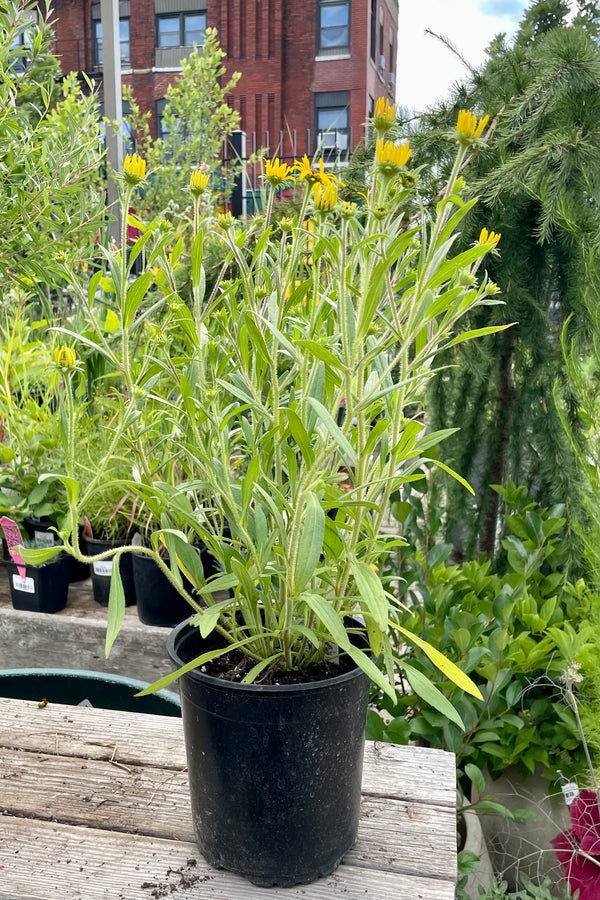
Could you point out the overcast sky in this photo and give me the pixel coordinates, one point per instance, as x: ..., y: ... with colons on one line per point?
x: 426, y: 69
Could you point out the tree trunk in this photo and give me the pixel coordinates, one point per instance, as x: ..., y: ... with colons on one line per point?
x: 496, y: 458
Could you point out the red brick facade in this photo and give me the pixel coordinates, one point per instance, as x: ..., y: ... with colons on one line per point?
x: 274, y: 44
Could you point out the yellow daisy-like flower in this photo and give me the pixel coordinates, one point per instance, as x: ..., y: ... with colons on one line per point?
x: 489, y: 237
x: 134, y: 168
x: 312, y: 176
x: 65, y: 357
x: 468, y: 128
x: 384, y: 116
x: 277, y: 172
x: 324, y: 196
x: 198, y: 181
x: 390, y: 157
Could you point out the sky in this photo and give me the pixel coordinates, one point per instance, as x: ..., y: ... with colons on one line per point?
x: 426, y: 68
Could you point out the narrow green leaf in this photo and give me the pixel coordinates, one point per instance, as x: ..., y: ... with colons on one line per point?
x: 116, y: 606
x: 300, y: 436
x: 477, y: 332
x: 248, y: 482
x: 194, y: 664
x: 422, y: 686
x: 72, y: 487
x: 334, y: 430
x: 135, y: 294
x: 450, y: 670
x: 310, y: 544
x: 371, y: 592
x: 197, y: 249
x: 258, y: 668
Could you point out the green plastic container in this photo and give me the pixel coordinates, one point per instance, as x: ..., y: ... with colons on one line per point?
x: 78, y: 687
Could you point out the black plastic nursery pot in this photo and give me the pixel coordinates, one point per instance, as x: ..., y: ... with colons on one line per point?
x: 101, y: 571
x: 40, y: 531
x: 158, y: 603
x: 275, y: 771
x: 42, y: 588
x: 82, y: 687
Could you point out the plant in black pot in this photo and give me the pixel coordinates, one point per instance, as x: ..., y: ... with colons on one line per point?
x: 109, y: 522
x: 339, y: 307
x: 40, y: 585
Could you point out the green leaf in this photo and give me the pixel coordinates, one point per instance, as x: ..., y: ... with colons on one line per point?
x: 166, y: 680
x: 310, y: 543
x: 375, y: 726
x: 300, y: 436
x: 422, y: 686
x: 258, y: 668
x: 475, y: 774
x: 116, y: 606
x: 450, y: 670
x: 334, y: 430
x: 197, y: 249
x: 34, y: 557
x: 70, y: 484
x: 135, y: 294
x: 477, y: 332
x: 371, y: 592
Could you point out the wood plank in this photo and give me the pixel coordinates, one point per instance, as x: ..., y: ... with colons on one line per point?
x: 414, y: 838
x: 92, y: 864
x: 404, y: 773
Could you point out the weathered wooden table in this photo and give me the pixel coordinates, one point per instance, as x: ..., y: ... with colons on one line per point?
x: 95, y: 804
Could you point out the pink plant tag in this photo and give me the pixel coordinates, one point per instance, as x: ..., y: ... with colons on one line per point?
x: 13, y: 538
x: 87, y: 527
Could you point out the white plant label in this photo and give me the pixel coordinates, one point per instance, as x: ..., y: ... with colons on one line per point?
x: 103, y: 567
x: 43, y: 538
x: 570, y: 792
x: 25, y: 585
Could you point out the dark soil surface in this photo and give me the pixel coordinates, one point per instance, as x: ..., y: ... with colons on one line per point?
x: 233, y: 666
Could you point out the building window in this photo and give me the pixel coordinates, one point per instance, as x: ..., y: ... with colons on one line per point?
x: 123, y: 40
x: 374, y: 30
x: 181, y: 29
x: 333, y: 32
x: 332, y: 115
x: 392, y: 61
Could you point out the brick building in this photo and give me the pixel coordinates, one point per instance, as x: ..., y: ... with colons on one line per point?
x: 312, y: 70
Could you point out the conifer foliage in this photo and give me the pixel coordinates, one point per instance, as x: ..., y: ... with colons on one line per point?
x: 538, y: 179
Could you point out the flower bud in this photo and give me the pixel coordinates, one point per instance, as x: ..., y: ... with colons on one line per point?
x: 65, y: 357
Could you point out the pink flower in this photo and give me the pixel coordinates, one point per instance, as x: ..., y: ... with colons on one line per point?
x: 582, y: 873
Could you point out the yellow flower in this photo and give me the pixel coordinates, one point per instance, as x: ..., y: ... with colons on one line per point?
x: 324, y: 196
x: 198, y: 181
x: 65, y: 357
x: 134, y: 168
x: 385, y: 115
x: 390, y: 157
x: 467, y: 127
x: 277, y: 172
x: 313, y: 176
x: 489, y: 238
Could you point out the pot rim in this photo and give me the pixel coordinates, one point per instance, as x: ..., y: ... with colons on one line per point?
x: 210, y: 680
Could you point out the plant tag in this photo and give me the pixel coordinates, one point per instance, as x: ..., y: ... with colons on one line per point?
x: 25, y: 585
x: 43, y: 538
x: 570, y: 792
x: 13, y: 537
x: 103, y: 567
